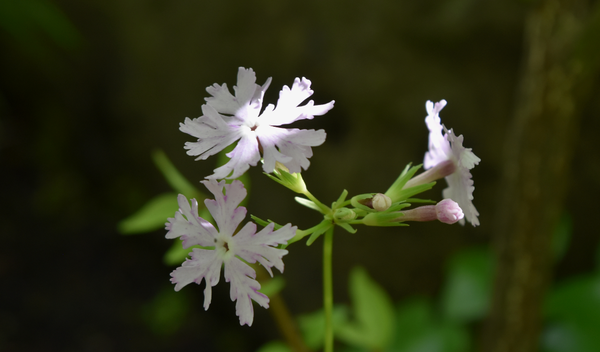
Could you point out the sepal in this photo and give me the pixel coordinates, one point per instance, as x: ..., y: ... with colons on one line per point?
x: 289, y: 180
x: 394, y: 191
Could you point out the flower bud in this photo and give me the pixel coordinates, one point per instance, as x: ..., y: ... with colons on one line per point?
x: 381, y: 202
x: 344, y: 214
x: 448, y: 211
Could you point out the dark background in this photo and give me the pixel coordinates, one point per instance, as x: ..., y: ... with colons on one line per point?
x: 89, y: 88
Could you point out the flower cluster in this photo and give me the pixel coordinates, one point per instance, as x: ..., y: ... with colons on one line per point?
x: 448, y: 147
x: 228, y: 118
x: 220, y: 247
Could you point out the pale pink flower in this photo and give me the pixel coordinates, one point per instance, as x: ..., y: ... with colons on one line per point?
x: 226, y: 249
x: 448, y: 146
x: 227, y: 118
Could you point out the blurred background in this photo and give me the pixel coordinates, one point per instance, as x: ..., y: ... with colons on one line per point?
x: 88, y: 89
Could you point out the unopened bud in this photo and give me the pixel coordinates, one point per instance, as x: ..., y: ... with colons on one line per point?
x: 381, y: 202
x: 344, y: 214
x: 448, y: 211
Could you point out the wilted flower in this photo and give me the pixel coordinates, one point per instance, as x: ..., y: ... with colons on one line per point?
x: 222, y: 248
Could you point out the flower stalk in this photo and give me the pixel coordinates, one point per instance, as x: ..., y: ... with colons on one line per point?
x: 328, y: 288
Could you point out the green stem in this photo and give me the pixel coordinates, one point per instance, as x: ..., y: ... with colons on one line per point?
x: 328, y: 288
x: 324, y: 209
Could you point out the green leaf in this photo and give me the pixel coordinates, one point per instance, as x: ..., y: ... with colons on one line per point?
x: 373, y: 327
x: 175, y: 179
x: 274, y: 346
x: 308, y: 203
x: 418, y: 331
x: 312, y: 325
x: 272, y: 286
x: 466, y: 295
x: 177, y: 254
x: 576, y: 300
x: 566, y: 336
x: 152, y: 216
x: 166, y: 313
x: 412, y: 322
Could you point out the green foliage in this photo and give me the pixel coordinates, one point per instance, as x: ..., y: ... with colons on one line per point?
x: 419, y: 330
x: 166, y: 313
x: 175, y: 179
x: 573, y: 310
x: 274, y: 346
x: 373, y: 312
x: 466, y: 294
x: 312, y: 326
x: 152, y: 216
x: 177, y: 254
x: 272, y: 286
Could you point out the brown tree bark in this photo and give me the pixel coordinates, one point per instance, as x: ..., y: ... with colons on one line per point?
x: 539, y: 144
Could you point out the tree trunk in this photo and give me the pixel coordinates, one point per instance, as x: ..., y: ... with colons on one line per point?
x: 539, y: 144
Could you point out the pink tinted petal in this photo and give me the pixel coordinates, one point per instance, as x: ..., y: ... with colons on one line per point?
x: 244, y: 289
x: 224, y: 208
x: 298, y: 146
x: 224, y: 102
x: 246, y: 104
x: 287, y: 109
x: 460, y: 189
x: 290, y: 147
x: 192, y: 229
x: 245, y: 154
x: 439, y: 147
x: 212, y: 132
x: 204, y: 264
x: 257, y: 247
x: 460, y: 183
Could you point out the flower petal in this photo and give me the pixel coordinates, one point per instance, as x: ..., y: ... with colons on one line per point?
x: 287, y: 109
x: 241, y: 157
x: 260, y: 246
x: 247, y: 94
x: 460, y: 183
x: 244, y: 289
x: 204, y: 264
x: 448, y: 146
x: 224, y: 208
x: 291, y: 147
x: 191, y: 228
x: 439, y: 147
x: 212, y: 132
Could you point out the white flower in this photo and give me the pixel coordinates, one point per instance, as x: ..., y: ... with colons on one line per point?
x: 229, y: 251
x: 448, y: 146
x: 227, y: 118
